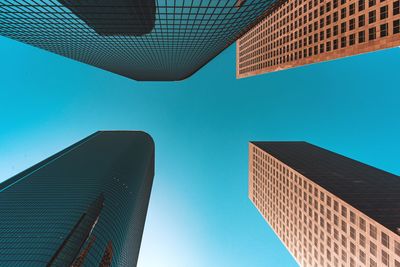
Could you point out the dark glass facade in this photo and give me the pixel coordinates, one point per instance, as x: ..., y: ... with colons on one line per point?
x: 84, y: 206
x: 143, y: 40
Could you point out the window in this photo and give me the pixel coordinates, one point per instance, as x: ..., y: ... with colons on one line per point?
x: 344, y: 256
x: 344, y: 241
x: 344, y: 224
x: 352, y: 248
x: 335, y: 203
x: 352, y: 217
x: 352, y: 24
x: 352, y: 233
x: 371, y: 3
x: 361, y: 21
x: 397, y: 248
x: 385, y: 258
x: 343, y: 30
x: 384, y: 12
x: 328, y: 20
x: 352, y: 9
x: 352, y: 39
x: 343, y: 42
x: 361, y: 39
x: 362, y: 256
x: 335, y: 44
x: 362, y: 240
x: 335, y: 17
x: 372, y: 36
x: 372, y: 248
x: 396, y: 26
x: 396, y: 8
x: 384, y: 30
x: 328, y: 48
x: 343, y: 13
x: 361, y: 5
x: 344, y: 209
x: 371, y: 16
x: 385, y: 240
x: 328, y: 6
x: 335, y: 3
x: 362, y: 224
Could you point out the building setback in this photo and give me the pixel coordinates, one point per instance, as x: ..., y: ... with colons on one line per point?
x: 328, y: 210
x: 84, y: 206
x: 300, y: 32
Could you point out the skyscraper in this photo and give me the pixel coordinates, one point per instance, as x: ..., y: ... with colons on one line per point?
x: 300, y: 32
x: 84, y: 206
x: 327, y: 209
x: 140, y: 39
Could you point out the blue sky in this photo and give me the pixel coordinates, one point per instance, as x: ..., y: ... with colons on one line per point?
x: 199, y: 213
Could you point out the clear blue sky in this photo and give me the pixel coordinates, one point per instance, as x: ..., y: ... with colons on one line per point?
x: 199, y: 213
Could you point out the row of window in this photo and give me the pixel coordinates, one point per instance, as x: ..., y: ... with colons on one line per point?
x: 270, y: 26
x: 352, y: 39
x: 273, y: 183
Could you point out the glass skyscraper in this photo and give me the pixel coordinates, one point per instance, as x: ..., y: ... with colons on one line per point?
x: 165, y: 40
x: 84, y: 206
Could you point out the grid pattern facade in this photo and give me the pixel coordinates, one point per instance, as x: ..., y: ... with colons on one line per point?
x: 299, y: 32
x: 84, y: 206
x: 318, y: 228
x: 143, y: 40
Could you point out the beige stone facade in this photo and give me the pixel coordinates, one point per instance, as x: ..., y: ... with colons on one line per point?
x: 300, y: 32
x: 317, y: 227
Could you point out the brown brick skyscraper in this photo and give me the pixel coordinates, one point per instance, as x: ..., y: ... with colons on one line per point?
x: 327, y: 209
x: 299, y: 32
